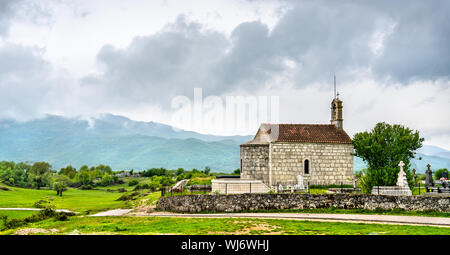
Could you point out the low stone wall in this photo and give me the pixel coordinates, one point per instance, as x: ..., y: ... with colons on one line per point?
x: 250, y: 202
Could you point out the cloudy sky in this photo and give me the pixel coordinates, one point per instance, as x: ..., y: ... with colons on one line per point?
x: 131, y: 58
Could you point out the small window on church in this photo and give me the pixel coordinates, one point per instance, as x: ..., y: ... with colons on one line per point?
x: 306, y: 166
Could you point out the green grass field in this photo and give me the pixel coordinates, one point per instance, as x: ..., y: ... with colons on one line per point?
x: 92, y: 201
x: 15, y: 215
x: 73, y: 199
x: 334, y: 210
x: 211, y: 226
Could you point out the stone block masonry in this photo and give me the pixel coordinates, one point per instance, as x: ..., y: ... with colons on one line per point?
x: 281, y: 163
x: 328, y: 163
x: 252, y: 202
x: 255, y: 161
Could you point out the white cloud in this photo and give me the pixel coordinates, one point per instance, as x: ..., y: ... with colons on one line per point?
x: 131, y: 58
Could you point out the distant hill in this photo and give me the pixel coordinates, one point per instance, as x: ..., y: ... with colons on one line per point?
x: 117, y: 141
x: 126, y: 144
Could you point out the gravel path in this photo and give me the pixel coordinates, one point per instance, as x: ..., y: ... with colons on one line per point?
x: 363, y: 218
x: 381, y: 219
x: 117, y: 212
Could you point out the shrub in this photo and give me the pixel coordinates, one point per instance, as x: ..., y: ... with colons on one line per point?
x: 42, y: 215
x: 126, y: 197
x: 153, y: 186
x: 142, y: 186
x: 133, y: 183
x: 41, y: 204
x: 61, y: 217
x: 86, y: 187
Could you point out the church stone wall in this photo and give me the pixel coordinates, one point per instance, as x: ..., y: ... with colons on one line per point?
x: 328, y: 163
x: 255, y: 162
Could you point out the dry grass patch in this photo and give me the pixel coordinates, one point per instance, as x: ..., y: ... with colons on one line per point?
x: 34, y: 231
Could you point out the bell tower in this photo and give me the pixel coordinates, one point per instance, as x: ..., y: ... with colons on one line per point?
x: 336, y: 109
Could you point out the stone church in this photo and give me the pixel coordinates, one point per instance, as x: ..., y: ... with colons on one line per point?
x: 279, y: 153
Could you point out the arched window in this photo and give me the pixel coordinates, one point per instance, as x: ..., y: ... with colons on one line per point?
x: 306, y: 166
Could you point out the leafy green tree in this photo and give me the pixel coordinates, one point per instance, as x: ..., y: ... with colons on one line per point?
x: 95, y: 173
x: 162, y: 180
x: 166, y: 181
x: 155, y: 172
x: 207, y: 170
x: 180, y: 171
x: 440, y: 173
x: 39, y: 175
x: 60, y: 184
x: 382, y: 149
x: 83, y: 177
x: 237, y: 171
x: 84, y: 168
x: 104, y: 169
x: 153, y: 186
x: 106, y: 179
x: 13, y: 174
x: 115, y: 179
x: 69, y: 171
x: 196, y: 173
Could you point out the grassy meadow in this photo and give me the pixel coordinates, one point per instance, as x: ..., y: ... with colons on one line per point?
x: 87, y: 202
x: 76, y: 200
x: 15, y: 215
x: 219, y: 226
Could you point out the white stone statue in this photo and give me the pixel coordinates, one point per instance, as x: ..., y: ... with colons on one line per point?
x: 300, y: 184
x: 402, y: 181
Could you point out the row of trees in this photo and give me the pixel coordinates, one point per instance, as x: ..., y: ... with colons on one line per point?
x: 178, y: 174
x: 22, y: 174
x: 40, y: 174
x: 85, y: 177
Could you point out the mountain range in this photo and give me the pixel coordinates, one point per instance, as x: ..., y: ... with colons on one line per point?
x: 127, y: 144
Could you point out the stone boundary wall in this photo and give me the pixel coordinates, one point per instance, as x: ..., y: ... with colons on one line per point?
x: 250, y: 202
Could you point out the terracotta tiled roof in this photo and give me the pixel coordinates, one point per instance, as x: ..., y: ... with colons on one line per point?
x: 313, y: 133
